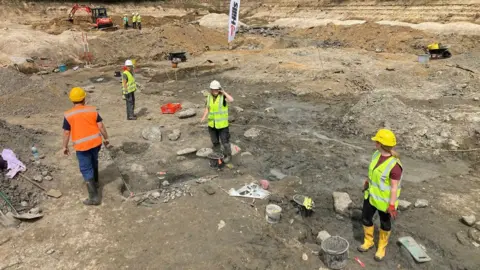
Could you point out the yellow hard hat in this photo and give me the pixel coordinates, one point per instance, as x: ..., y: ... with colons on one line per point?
x: 385, y: 137
x: 77, y: 94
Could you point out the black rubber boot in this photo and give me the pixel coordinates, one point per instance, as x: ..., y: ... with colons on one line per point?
x: 93, y: 198
x: 95, y: 178
x: 227, y: 152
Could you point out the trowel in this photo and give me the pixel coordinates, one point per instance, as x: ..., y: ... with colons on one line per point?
x: 55, y: 193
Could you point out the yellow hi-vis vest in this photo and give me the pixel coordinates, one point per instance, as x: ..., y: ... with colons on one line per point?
x: 134, y: 18
x: 379, y: 182
x: 217, y: 113
x: 139, y: 19
x: 131, y: 84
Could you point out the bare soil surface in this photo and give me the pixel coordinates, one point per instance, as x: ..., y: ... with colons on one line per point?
x: 315, y: 95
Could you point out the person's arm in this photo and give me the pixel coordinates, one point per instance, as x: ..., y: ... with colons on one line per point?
x: 393, y: 191
x: 227, y: 96
x: 205, y: 113
x: 103, y: 130
x: 124, y: 81
x: 66, y: 139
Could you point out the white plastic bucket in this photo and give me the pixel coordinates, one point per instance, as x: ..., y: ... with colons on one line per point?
x: 423, y: 58
x: 273, y: 213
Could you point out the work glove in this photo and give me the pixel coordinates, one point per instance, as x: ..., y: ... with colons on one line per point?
x: 392, y: 211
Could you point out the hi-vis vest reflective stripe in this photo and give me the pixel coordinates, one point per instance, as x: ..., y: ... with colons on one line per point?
x: 84, y: 132
x: 139, y: 19
x: 218, y: 114
x: 134, y: 18
x: 379, y: 182
x: 131, y: 84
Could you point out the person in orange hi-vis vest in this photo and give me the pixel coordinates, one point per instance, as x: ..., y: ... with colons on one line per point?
x: 83, y: 125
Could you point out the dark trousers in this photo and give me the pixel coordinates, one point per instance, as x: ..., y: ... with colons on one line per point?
x: 88, y: 163
x: 368, y: 212
x: 220, y: 135
x: 139, y: 25
x: 130, y: 100
x: 134, y: 25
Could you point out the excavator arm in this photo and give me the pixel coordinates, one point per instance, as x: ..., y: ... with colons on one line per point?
x: 77, y: 7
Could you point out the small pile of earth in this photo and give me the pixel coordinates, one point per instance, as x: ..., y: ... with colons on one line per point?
x: 24, y: 95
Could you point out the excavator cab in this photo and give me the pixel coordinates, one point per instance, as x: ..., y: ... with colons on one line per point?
x: 100, y: 18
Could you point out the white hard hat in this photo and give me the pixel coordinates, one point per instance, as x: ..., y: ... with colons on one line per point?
x: 215, y: 85
x: 133, y: 13
x: 136, y: 13
x: 128, y: 63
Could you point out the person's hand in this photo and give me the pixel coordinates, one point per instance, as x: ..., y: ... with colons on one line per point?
x: 392, y: 211
x: 202, y: 120
x: 66, y: 152
x: 365, y: 185
x: 106, y: 142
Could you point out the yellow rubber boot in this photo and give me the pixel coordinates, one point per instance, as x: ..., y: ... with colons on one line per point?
x: 382, y: 244
x: 367, y: 239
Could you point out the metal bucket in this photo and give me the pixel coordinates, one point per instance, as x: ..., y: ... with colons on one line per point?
x: 423, y: 58
x: 335, y: 252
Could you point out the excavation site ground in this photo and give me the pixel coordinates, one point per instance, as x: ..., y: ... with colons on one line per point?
x: 311, y: 82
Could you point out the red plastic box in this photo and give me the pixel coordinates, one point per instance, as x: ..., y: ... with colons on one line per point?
x: 171, y: 108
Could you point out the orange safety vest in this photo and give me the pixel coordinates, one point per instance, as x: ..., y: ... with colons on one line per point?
x: 84, y: 133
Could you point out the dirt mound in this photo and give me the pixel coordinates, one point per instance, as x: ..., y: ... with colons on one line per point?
x: 23, y: 95
x: 375, y: 37
x: 413, y: 128
x: 154, y: 43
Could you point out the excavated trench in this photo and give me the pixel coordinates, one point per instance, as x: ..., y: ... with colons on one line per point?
x: 298, y: 137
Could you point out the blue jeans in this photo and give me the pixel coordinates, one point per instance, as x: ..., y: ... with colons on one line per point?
x: 88, y: 162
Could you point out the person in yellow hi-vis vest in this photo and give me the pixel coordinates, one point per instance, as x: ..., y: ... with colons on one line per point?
x: 217, y: 110
x: 382, y: 190
x: 134, y: 20
x: 139, y: 22
x: 129, y: 86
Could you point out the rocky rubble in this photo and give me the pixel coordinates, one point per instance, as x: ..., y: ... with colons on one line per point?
x: 265, y: 31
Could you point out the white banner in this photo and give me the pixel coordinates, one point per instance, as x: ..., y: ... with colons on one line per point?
x: 233, y: 23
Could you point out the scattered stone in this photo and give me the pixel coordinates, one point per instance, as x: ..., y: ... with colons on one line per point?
x: 43, y: 72
x: 209, y: 189
x: 235, y: 149
x: 245, y: 154
x: 221, y: 224
x: 341, y: 202
x: 270, y: 110
x: 252, y: 133
x: 165, y: 183
x: 204, y: 152
x: 462, y: 238
x: 404, y: 205
x: 378, y: 50
x: 238, y: 109
x: 476, y: 98
x: 187, y: 113
x: 38, y: 178
x: 477, y: 225
x: 181, y: 158
x: 278, y: 174
x: 48, y: 178
x: 475, y: 244
x: 35, y: 210
x: 100, y: 79
x: 149, y: 117
x: 152, y: 134
x: 44, y: 173
x: 474, y: 234
x: 322, y: 236
x: 390, y: 69
x: 186, y: 151
x: 469, y: 220
x: 175, y: 135
x: 304, y: 257
x: 357, y: 214
x: 156, y: 194
x: 168, y: 93
x: 421, y: 203
x: 5, y: 240
x: 50, y: 251
x: 24, y: 204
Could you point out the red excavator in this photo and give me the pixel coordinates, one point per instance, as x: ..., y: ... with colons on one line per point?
x: 99, y: 16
